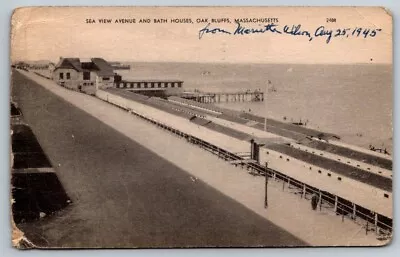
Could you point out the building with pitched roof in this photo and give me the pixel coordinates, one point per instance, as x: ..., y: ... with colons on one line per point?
x: 86, y: 76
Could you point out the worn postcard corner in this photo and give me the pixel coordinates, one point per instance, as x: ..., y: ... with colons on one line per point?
x: 18, y: 239
x: 177, y: 127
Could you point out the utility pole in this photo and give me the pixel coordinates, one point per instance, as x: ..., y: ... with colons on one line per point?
x: 266, y: 186
x: 266, y: 108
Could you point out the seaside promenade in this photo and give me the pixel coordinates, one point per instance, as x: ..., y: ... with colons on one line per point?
x: 126, y: 186
x: 103, y: 152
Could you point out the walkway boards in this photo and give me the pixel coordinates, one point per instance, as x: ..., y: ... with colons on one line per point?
x: 334, y: 166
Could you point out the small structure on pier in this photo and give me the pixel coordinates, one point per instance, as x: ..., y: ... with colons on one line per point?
x: 158, y: 88
x: 221, y: 97
x: 148, y: 84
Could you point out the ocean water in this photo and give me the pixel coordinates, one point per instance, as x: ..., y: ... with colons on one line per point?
x: 353, y: 101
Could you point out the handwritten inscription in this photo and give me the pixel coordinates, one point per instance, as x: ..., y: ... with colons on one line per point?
x: 293, y: 30
x: 240, y: 30
x: 207, y: 30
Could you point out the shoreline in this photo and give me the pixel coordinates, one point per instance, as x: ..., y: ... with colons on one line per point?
x: 351, y: 139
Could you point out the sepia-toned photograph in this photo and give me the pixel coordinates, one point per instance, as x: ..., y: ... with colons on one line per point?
x: 201, y: 127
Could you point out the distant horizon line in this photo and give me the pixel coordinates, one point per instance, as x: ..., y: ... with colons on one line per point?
x: 217, y: 62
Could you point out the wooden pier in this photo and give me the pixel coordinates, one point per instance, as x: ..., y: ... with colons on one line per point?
x: 224, y: 97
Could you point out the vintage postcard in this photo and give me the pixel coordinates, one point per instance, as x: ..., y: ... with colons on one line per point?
x: 180, y: 127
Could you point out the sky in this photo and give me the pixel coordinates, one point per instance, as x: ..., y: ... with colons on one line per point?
x: 48, y: 33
